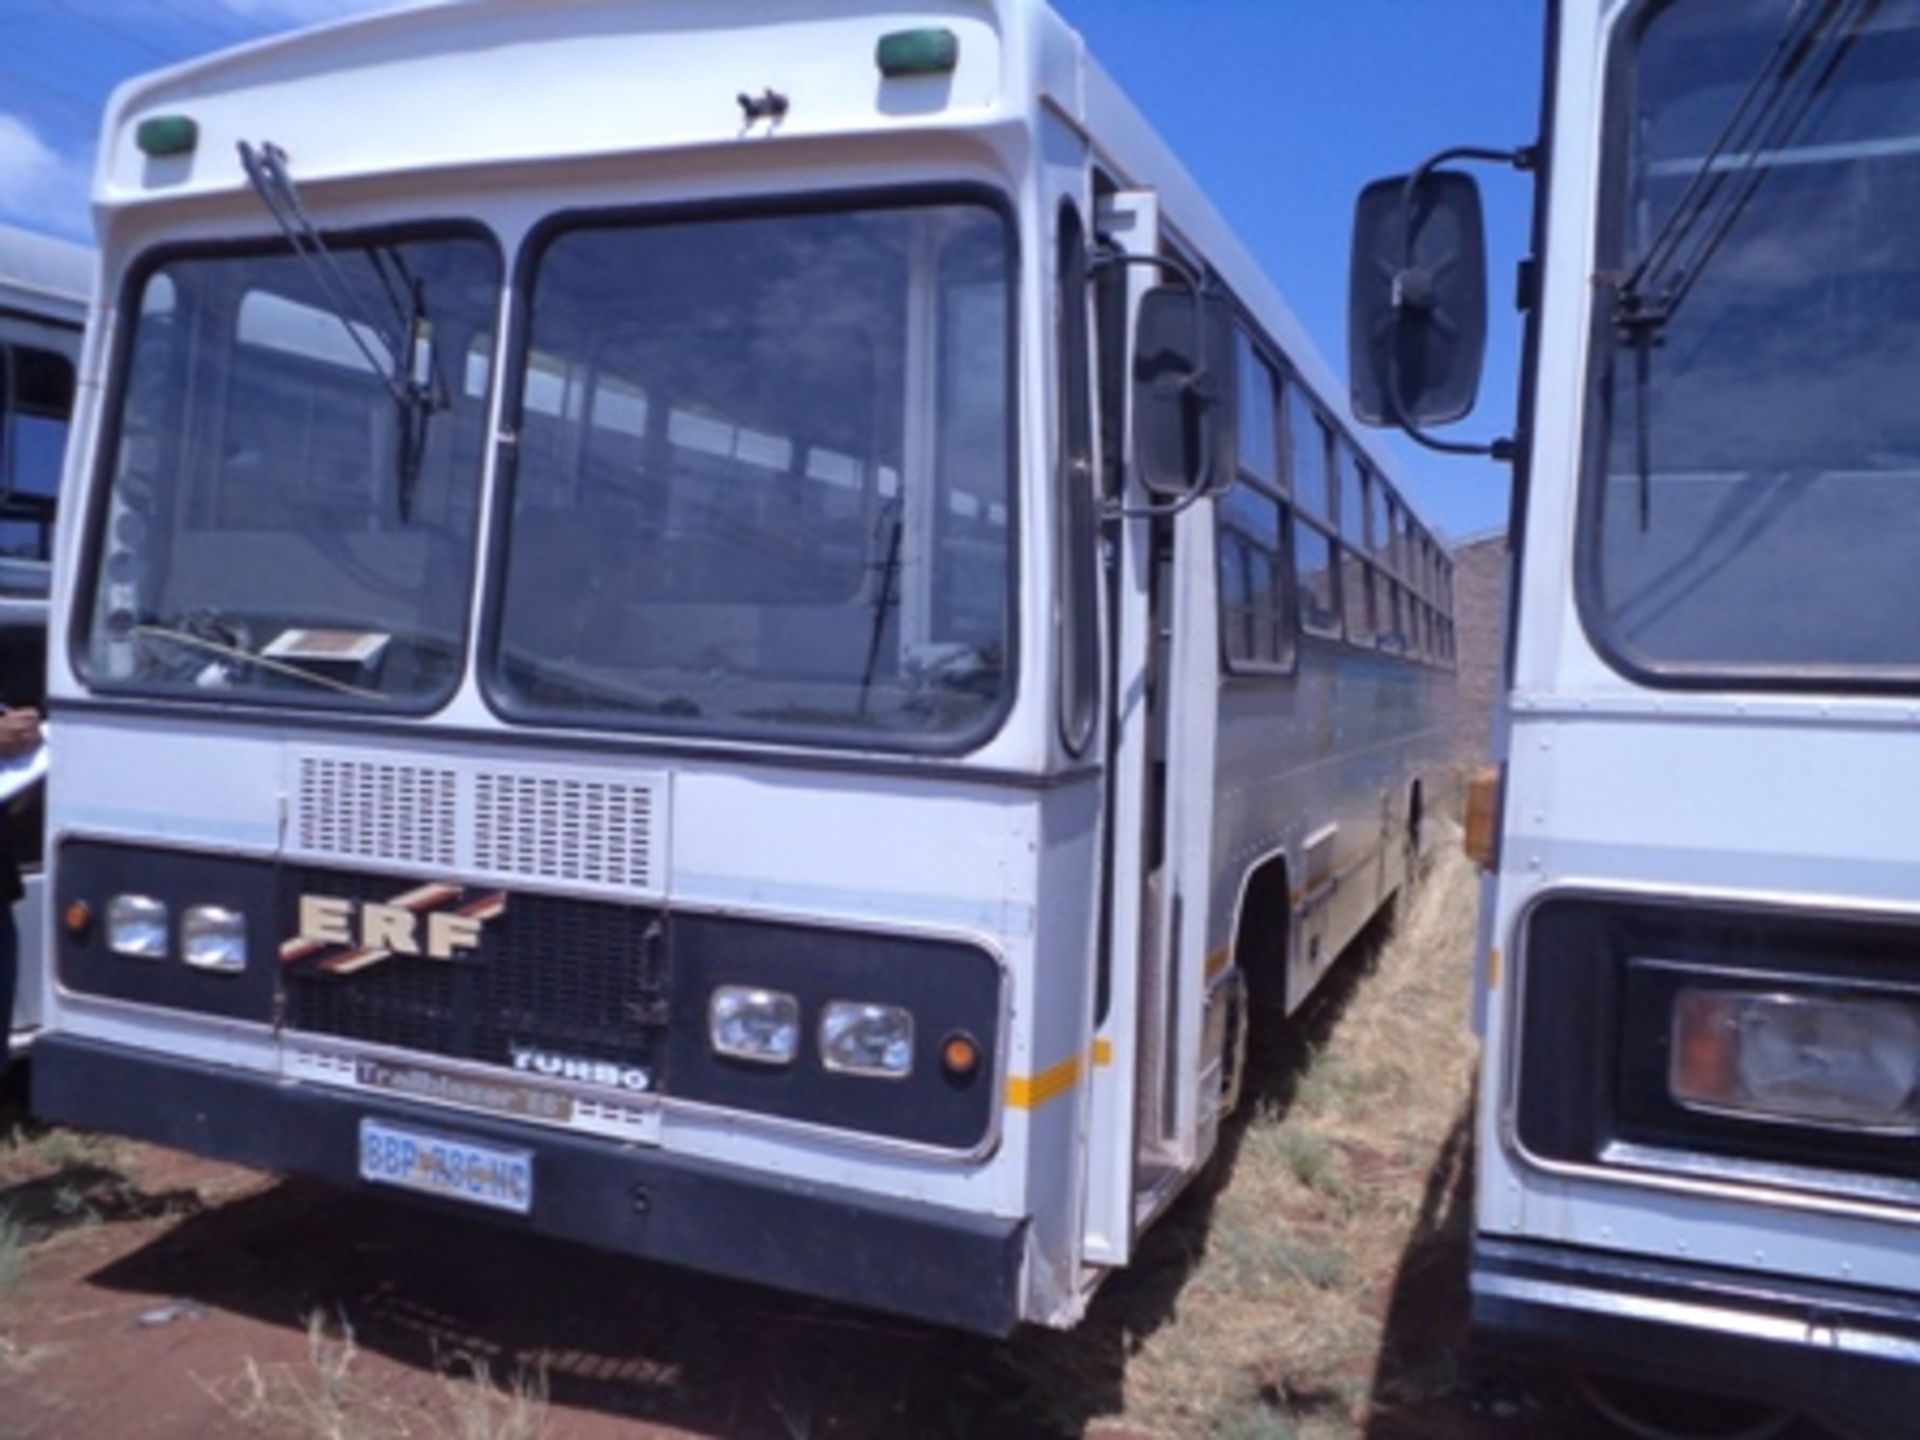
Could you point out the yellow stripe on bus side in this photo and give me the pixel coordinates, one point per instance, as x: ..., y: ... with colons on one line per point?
x: 1102, y: 1050
x: 1031, y: 1092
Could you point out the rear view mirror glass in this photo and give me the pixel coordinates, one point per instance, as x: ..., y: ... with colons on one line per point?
x: 1417, y: 302
x: 1184, y: 430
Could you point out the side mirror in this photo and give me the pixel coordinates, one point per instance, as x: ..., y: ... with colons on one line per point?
x: 1184, y: 433
x: 1417, y: 301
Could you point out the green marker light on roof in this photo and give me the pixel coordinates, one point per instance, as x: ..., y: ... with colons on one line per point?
x: 918, y: 52
x: 167, y: 135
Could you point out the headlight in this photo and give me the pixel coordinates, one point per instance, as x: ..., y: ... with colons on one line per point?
x: 213, y: 937
x: 137, y: 926
x: 1853, y: 1063
x: 762, y: 1026
x: 860, y: 1039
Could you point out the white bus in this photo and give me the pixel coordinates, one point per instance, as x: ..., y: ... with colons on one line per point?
x: 1699, y: 1135
x: 736, y: 635
x: 44, y: 283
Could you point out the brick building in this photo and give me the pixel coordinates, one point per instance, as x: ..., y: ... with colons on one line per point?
x: 1479, y: 605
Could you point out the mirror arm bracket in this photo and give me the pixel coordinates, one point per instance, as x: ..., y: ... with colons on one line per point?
x: 1120, y: 510
x: 1525, y: 159
x: 1110, y: 254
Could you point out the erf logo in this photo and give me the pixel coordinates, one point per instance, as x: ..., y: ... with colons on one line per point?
x: 342, y: 936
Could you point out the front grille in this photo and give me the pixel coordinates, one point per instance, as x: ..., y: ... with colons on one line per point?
x: 582, y: 979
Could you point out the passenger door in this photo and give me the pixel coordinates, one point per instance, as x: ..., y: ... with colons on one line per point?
x: 1145, y: 1116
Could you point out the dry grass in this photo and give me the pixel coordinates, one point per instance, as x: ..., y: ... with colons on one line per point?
x: 11, y: 1245
x: 324, y: 1399
x: 1326, y: 1203
x: 478, y: 1409
x: 15, y: 1358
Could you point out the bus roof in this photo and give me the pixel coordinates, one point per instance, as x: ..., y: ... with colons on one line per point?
x: 495, y: 83
x: 44, y: 275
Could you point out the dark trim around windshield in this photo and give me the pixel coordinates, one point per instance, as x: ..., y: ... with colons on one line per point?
x: 1611, y: 179
x: 106, y: 441
x: 512, y: 373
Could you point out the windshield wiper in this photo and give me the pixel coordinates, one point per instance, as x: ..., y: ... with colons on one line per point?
x: 227, y: 650
x: 1770, y: 114
x: 417, y: 390
x: 882, y: 602
x: 602, y: 685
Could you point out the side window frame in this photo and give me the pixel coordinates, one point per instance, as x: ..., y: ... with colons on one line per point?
x: 32, y: 507
x: 1280, y: 619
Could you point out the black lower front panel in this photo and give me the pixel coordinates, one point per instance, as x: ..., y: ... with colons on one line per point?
x: 1845, y: 1353
x: 945, y: 1266
x: 613, y: 992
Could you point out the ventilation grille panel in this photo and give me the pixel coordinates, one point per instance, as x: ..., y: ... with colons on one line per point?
x: 562, y: 827
x: 555, y: 827
x: 378, y: 810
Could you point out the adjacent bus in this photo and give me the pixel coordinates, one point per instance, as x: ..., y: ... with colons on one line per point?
x: 44, y: 283
x: 1699, y: 1136
x: 744, y: 638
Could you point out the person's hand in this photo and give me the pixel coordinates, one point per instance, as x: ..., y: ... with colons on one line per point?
x: 19, y: 732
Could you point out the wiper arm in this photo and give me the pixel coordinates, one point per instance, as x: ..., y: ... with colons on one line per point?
x: 1775, y: 105
x: 416, y: 396
x: 426, y: 392
x: 882, y: 602
x: 1771, y: 112
x: 226, y: 651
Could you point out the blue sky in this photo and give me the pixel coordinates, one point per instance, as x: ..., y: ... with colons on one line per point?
x: 1281, y: 108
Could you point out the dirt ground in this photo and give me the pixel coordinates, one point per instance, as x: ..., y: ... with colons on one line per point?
x: 1313, y: 1285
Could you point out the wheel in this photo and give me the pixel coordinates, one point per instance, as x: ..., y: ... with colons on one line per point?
x: 1654, y: 1412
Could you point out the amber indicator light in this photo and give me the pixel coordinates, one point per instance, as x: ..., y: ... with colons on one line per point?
x: 1483, y: 817
x: 959, y: 1055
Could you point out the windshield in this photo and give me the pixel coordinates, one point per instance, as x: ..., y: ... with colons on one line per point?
x: 1754, y: 478
x: 280, y: 526
x: 762, y: 482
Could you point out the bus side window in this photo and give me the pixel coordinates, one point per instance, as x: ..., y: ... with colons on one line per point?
x: 1353, y: 494
x: 37, y: 386
x: 1256, y: 628
x: 1259, y: 433
x: 1313, y: 555
x: 1308, y: 442
x: 1250, y: 541
x: 1357, y: 591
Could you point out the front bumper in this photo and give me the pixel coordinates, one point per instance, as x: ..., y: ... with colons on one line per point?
x: 1843, y: 1352
x: 945, y: 1266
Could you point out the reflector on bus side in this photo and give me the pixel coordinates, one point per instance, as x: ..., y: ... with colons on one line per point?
x: 1482, y: 840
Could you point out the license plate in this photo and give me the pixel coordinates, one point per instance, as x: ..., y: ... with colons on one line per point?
x: 439, y: 1165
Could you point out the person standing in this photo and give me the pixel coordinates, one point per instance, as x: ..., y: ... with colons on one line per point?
x: 19, y: 735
